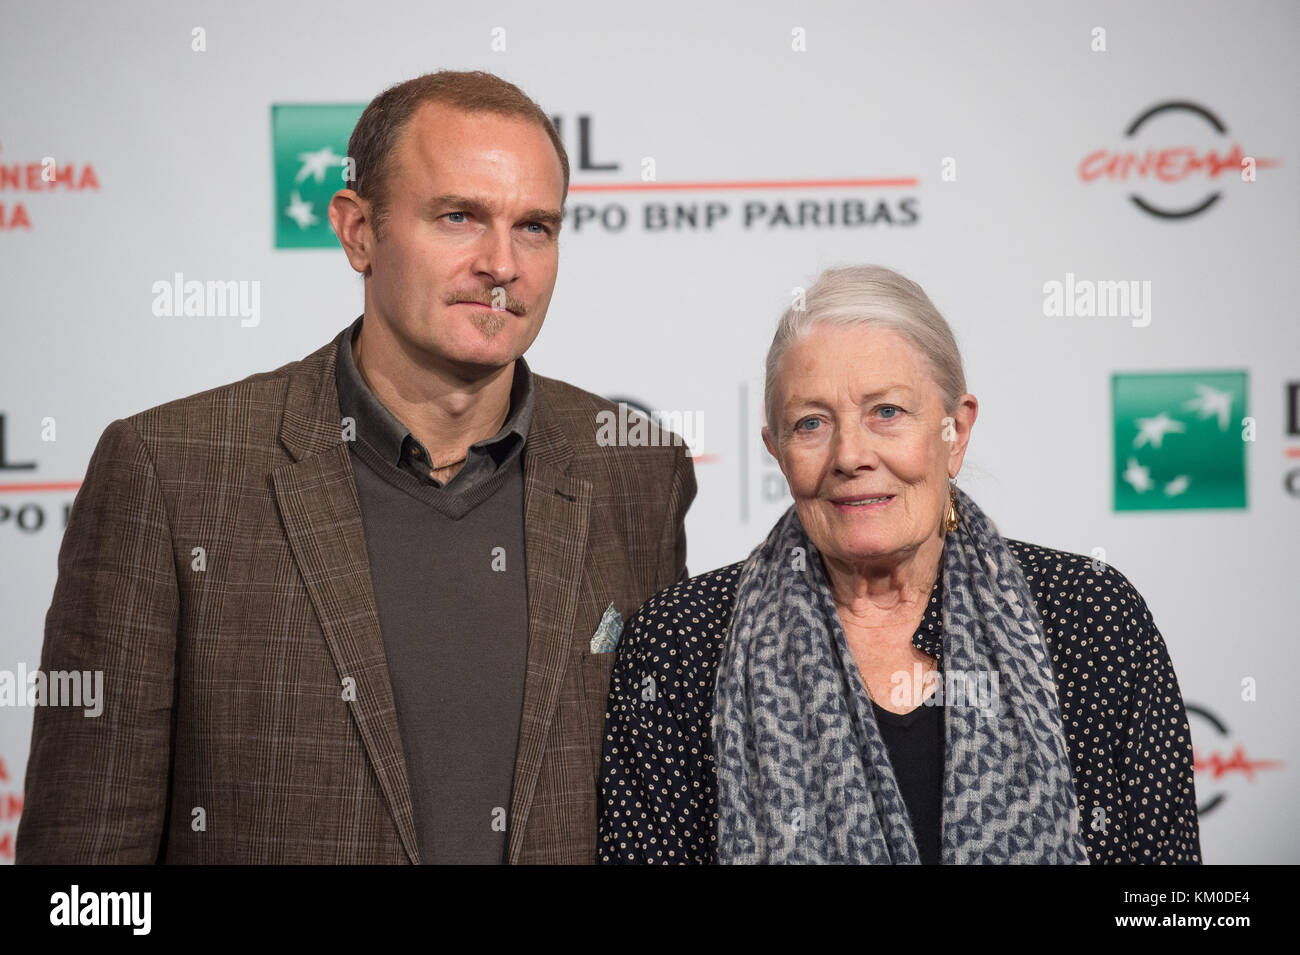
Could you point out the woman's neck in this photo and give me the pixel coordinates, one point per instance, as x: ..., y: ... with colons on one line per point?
x: 879, y: 594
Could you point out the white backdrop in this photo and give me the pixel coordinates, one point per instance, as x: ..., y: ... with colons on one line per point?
x: 971, y: 123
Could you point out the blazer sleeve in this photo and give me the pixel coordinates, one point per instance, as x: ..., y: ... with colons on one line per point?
x: 1156, y: 766
x: 672, y: 538
x: 96, y: 788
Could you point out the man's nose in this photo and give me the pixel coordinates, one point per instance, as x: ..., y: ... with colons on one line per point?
x: 496, y: 256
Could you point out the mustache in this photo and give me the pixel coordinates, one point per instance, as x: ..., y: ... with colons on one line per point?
x: 511, y: 304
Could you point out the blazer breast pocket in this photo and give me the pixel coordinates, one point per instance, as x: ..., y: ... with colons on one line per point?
x: 598, y: 655
x: 608, y: 631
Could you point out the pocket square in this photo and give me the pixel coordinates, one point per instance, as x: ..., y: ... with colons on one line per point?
x: 611, y: 628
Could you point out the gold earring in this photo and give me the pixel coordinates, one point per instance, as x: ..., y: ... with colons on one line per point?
x: 950, y: 522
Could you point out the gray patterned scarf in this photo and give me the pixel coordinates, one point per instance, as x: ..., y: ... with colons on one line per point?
x: 803, y: 774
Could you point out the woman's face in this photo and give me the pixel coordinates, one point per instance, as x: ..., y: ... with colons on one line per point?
x: 862, y: 439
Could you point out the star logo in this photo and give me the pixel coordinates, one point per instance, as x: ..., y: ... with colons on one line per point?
x: 309, y: 145
x: 315, y: 164
x: 1138, y: 476
x: 1153, y: 430
x: 1175, y: 444
x: 300, y: 212
x: 1209, y: 401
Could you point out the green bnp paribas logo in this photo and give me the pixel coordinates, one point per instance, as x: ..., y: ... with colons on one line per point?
x: 310, y: 146
x: 1180, y: 440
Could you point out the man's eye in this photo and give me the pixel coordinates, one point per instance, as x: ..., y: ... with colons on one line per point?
x: 449, y: 214
x: 894, y: 408
x: 543, y: 230
x: 799, y: 425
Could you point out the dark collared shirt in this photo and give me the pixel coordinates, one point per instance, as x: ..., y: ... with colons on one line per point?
x: 448, y: 571
x: 393, y: 441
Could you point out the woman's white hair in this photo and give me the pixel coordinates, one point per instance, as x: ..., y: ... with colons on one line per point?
x: 874, y: 296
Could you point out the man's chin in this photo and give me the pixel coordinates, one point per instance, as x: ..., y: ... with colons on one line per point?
x: 490, y: 324
x: 485, y: 353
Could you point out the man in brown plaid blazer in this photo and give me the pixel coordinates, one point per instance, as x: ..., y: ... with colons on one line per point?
x: 219, y: 562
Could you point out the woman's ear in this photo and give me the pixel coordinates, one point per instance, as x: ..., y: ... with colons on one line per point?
x: 770, y: 444
x: 957, y: 429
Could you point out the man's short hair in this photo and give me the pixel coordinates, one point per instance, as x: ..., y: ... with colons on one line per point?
x: 374, y: 140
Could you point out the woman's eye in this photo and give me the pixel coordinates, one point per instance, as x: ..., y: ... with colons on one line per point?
x: 894, y: 408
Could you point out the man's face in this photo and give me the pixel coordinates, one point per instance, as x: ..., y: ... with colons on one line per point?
x: 467, y: 261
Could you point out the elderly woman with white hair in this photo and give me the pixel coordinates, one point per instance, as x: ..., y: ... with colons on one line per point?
x: 886, y: 679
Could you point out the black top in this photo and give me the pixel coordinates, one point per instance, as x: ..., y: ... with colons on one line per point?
x: 915, y: 744
x: 1126, y: 730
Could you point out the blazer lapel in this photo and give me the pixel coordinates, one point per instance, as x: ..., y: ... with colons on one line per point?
x: 556, y: 512
x: 321, y: 512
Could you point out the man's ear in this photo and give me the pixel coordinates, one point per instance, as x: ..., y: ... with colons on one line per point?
x: 968, y: 409
x: 350, y: 218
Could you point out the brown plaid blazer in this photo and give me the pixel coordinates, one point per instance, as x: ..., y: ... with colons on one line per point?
x: 225, y: 736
